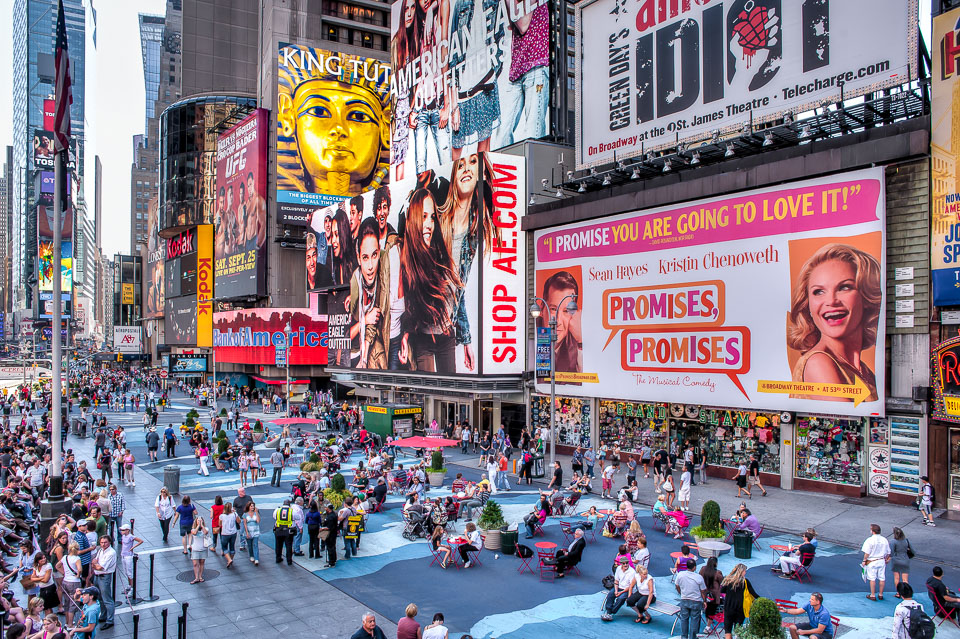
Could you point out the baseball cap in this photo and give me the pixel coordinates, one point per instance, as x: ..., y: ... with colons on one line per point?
x: 125, y: 527
x: 83, y: 522
x: 92, y: 591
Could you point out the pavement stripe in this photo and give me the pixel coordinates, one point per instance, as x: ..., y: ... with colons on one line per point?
x: 154, y: 551
x: 144, y: 606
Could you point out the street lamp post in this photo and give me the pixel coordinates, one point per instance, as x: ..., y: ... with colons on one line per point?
x: 552, y: 316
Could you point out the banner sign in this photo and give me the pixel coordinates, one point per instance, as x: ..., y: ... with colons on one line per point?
x: 127, y: 339
x: 205, y: 285
x: 242, y: 208
x: 543, y: 352
x: 256, y: 335
x: 153, y: 287
x: 944, y: 147
x: 770, y: 299
x: 674, y: 71
x: 188, y: 364
x: 127, y: 295
x: 422, y: 243
x: 333, y: 128
x: 945, y: 367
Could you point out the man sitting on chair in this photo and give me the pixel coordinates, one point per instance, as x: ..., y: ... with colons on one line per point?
x: 946, y: 601
x: 571, y: 556
x: 788, y: 562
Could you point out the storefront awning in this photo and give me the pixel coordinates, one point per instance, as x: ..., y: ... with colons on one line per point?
x: 279, y: 382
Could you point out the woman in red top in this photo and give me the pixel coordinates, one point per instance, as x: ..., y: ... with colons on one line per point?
x: 215, y: 511
x: 408, y: 627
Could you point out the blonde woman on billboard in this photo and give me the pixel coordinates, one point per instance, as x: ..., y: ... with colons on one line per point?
x: 466, y: 213
x: 834, y: 317
x: 430, y: 284
x: 369, y: 301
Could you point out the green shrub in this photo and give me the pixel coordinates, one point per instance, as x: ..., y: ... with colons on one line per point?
x: 335, y: 497
x: 436, y: 462
x: 710, y: 516
x: 193, y: 413
x: 492, y: 516
x: 702, y: 533
x: 765, y: 622
x: 338, y: 483
x: 223, y: 412
x: 258, y: 426
x: 314, y: 458
x: 222, y: 446
x: 85, y: 403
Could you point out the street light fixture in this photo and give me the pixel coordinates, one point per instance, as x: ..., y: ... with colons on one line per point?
x: 535, y: 313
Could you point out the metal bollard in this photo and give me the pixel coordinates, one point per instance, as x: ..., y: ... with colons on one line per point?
x: 113, y: 587
x: 181, y: 633
x: 163, y: 625
x: 134, y: 599
x: 183, y: 606
x: 131, y: 525
x: 151, y: 596
x: 136, y: 626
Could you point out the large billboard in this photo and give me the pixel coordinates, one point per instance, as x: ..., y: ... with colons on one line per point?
x: 45, y: 234
x: 333, y: 128
x: 469, y: 75
x: 769, y: 299
x: 153, y: 271
x: 409, y: 258
x: 673, y: 71
x: 127, y: 339
x: 251, y: 336
x: 205, y: 285
x: 181, y: 364
x: 180, y: 320
x: 945, y: 148
x: 241, y: 236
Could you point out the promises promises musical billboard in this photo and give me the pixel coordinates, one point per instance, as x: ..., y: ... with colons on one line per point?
x: 652, y: 73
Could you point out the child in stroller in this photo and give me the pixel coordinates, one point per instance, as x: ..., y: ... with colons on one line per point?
x: 414, y: 525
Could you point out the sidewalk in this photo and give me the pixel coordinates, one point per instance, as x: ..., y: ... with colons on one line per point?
x: 269, y: 600
x: 839, y: 520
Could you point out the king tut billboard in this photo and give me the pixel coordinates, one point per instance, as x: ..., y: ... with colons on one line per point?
x: 333, y: 128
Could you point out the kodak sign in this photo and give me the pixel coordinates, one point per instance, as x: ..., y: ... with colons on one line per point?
x: 205, y: 286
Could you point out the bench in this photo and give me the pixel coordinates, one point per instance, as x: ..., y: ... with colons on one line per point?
x: 668, y: 609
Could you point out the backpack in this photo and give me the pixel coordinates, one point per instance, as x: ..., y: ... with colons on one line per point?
x: 921, y: 625
x: 527, y: 457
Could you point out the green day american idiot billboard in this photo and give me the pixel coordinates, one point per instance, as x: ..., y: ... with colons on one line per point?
x: 469, y: 75
x: 768, y: 299
x: 653, y: 73
x: 427, y: 274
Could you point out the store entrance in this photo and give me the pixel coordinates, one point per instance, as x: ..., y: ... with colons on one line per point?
x: 953, y: 501
x: 453, y: 412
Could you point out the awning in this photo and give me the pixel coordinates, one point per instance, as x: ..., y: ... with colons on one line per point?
x: 281, y: 382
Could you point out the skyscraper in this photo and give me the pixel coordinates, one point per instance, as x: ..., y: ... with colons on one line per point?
x: 151, y: 46
x: 34, y: 33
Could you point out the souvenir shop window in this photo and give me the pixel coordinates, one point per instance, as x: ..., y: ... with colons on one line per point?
x: 731, y: 436
x: 573, y: 418
x: 878, y: 431
x: 631, y: 424
x: 830, y: 449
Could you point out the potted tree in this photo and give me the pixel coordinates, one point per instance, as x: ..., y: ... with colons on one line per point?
x: 490, y: 523
x: 337, y: 493
x: 258, y: 434
x: 436, y: 472
x: 764, y: 622
x: 710, y: 527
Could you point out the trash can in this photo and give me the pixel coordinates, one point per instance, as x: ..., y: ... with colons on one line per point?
x: 76, y: 426
x: 171, y: 479
x: 508, y: 541
x: 742, y: 544
x: 538, y: 466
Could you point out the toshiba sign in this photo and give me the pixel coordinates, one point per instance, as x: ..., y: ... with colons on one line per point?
x: 126, y: 339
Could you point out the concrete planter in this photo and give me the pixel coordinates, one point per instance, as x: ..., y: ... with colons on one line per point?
x: 435, y: 478
x: 491, y: 539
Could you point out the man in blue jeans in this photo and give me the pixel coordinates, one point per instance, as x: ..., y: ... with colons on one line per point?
x: 693, y: 592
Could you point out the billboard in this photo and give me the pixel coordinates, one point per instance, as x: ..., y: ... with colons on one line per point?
x: 205, y: 285
x: 43, y: 149
x: 677, y: 75
x: 241, y: 235
x: 45, y: 230
x: 251, y: 336
x: 153, y: 271
x: 410, y: 258
x: 188, y: 364
x: 333, y: 128
x: 180, y: 320
x: 769, y: 299
x: 469, y: 75
x: 127, y: 339
x: 945, y: 146
x: 127, y: 294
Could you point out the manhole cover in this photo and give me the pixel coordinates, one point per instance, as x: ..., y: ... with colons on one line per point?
x: 187, y: 575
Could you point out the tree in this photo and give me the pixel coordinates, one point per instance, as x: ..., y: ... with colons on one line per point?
x: 765, y: 621
x: 492, y: 516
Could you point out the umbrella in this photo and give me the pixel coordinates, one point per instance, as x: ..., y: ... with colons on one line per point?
x: 283, y: 421
x: 424, y: 442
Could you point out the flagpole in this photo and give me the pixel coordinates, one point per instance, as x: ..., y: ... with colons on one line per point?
x: 59, y: 196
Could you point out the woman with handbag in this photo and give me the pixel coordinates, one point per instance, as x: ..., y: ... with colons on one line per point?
x: 229, y: 525
x: 199, y: 540
x: 128, y: 463
x: 738, y: 596
x: 215, y: 511
x: 901, y: 552
x: 165, y: 511
x: 251, y: 530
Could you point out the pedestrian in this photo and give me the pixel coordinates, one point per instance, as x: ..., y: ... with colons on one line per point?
x: 229, y: 525
x: 590, y: 459
x: 368, y: 628
x: 901, y: 615
x: 631, y: 470
x: 818, y: 624
x: 645, y: 458
x: 313, y: 520
x: 436, y: 630
x: 693, y: 593
x: 754, y: 475
x: 104, y: 566
x: 925, y: 501
x: 128, y: 543
x: 686, y: 481
x: 86, y: 627
x: 607, y: 474
x: 283, y: 531
x: 876, y: 554
x: 117, y: 506
x: 170, y: 441
x: 328, y: 535
x: 251, y: 532
x: 185, y: 513
x: 240, y: 503
x: 165, y: 511
x: 203, y: 454
x: 735, y: 587
x: 299, y: 516
x: 152, y: 440
x: 276, y: 460
x: 901, y: 552
x: 129, y: 463
x: 408, y: 627
x: 701, y: 464
x: 741, y: 476
x: 253, y: 461
x: 198, y: 539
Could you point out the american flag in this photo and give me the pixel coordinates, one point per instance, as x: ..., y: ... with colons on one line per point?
x: 64, y: 93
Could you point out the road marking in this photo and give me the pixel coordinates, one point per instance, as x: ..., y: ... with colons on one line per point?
x: 144, y: 606
x: 154, y: 551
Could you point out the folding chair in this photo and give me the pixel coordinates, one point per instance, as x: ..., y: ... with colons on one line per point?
x: 659, y: 518
x: 538, y: 529
x: 567, y: 531
x: 378, y: 506
x: 525, y: 554
x: 803, y: 568
x: 836, y: 625
x: 940, y: 611
x: 452, y: 521
x: 475, y: 554
x: 570, y: 504
x: 756, y: 537
x: 438, y: 557
x: 601, y: 522
x: 714, y: 626
x: 548, y: 572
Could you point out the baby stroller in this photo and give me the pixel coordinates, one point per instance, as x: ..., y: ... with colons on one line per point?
x: 413, y: 526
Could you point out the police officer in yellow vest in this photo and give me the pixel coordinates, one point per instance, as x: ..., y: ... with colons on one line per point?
x: 283, y: 531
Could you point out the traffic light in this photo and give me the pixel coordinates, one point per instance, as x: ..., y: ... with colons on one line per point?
x: 119, y: 357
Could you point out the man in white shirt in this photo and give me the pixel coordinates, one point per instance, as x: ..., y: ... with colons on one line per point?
x: 876, y: 554
x: 104, y: 565
x: 35, y: 475
x: 298, y: 516
x: 624, y: 581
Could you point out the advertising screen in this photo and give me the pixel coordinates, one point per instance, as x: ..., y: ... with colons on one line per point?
x: 188, y: 364
x: 410, y: 257
x: 241, y: 236
x: 251, y: 336
x: 43, y: 149
x: 769, y: 299
x: 333, y: 128
x: 469, y: 74
x: 180, y: 320
x: 45, y: 230
x: 153, y: 283
x: 664, y: 77
x: 945, y: 145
